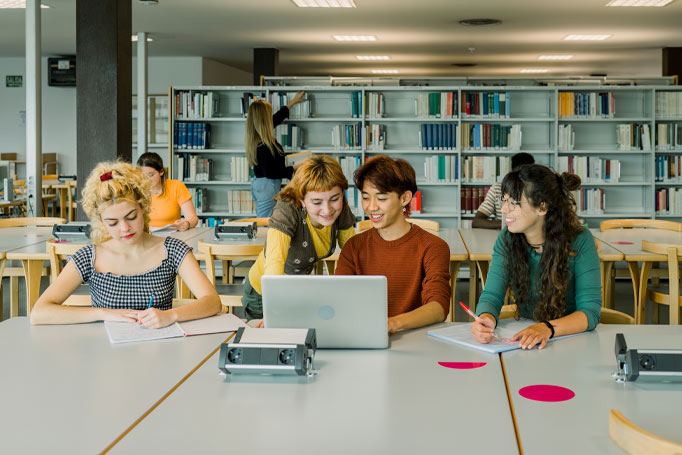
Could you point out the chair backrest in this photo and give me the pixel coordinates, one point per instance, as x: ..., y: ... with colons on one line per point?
x: 260, y: 222
x: 637, y: 223
x: 607, y: 315
x: 37, y: 221
x: 661, y: 248
x: 422, y: 223
x: 226, y: 252
x: 674, y: 255
x: 58, y: 252
x: 636, y: 441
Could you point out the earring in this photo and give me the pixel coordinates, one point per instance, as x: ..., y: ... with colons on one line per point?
x: 404, y: 209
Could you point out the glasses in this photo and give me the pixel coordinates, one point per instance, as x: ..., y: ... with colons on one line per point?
x: 512, y: 204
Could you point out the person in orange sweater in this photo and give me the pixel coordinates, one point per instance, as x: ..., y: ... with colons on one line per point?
x: 171, y: 201
x: 414, y: 261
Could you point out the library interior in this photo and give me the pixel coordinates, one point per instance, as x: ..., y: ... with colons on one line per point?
x: 360, y: 223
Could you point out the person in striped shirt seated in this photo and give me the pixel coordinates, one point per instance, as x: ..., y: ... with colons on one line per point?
x: 489, y: 214
x: 414, y: 261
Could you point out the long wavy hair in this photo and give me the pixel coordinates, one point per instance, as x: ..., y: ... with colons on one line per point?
x: 260, y: 129
x: 316, y: 173
x: 550, y: 191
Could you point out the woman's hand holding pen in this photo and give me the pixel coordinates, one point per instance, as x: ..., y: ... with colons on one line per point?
x: 483, y: 328
x: 153, y: 318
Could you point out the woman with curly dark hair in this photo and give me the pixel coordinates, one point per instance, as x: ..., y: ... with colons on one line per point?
x: 545, y: 257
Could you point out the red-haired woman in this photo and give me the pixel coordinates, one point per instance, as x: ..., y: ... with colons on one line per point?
x: 415, y: 262
x: 310, y: 216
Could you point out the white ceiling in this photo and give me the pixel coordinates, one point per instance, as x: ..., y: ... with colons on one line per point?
x: 422, y: 37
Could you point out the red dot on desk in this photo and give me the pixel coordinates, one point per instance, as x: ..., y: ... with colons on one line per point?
x: 622, y: 243
x: 548, y: 393
x: 462, y: 365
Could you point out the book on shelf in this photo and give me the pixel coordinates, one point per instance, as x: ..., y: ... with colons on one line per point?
x: 196, y: 104
x: 668, y: 201
x: 289, y: 135
x: 587, y: 105
x: 416, y: 203
x: 348, y: 165
x: 441, y: 168
x: 485, y: 136
x: 374, y: 103
x: 590, y: 201
x: 471, y: 198
x: 566, y: 137
x: 240, y: 202
x: 347, y: 136
x: 668, y: 169
x: 486, y: 104
x: 375, y: 136
x: 295, y: 158
x: 633, y: 136
x: 200, y: 199
x: 191, y: 135
x: 441, y: 105
x: 194, y: 168
x: 354, y: 201
x: 668, y: 136
x: 591, y: 169
x: 246, y: 100
x: 356, y: 104
x: 297, y: 111
x: 668, y: 104
x: 438, y: 136
x: 484, y: 169
x: 240, y: 169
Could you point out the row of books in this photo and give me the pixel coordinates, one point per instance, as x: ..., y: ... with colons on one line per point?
x: 668, y: 169
x: 486, y: 169
x: 486, y: 104
x: 668, y: 136
x: 484, y: 136
x: 246, y: 100
x: 590, y: 201
x: 471, y: 198
x: 438, y: 136
x: 297, y: 111
x: 668, y: 104
x: 668, y: 201
x: 436, y: 105
x: 191, y: 135
x: 354, y: 201
x: 566, y: 137
x: 591, y: 169
x: 356, y: 104
x: 374, y: 103
x: 349, y: 164
x: 196, y: 105
x: 348, y: 136
x: 240, y: 202
x: 240, y: 171
x: 633, y: 136
x: 441, y: 168
x: 587, y: 105
x: 195, y: 168
x: 289, y: 135
x: 416, y: 203
x: 200, y: 199
x: 375, y: 136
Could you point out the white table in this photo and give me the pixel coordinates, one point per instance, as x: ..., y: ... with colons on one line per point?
x: 67, y: 390
x: 584, y: 364
x: 395, y: 401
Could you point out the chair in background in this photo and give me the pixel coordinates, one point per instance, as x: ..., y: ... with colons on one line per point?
x: 228, y: 278
x: 606, y: 315
x: 637, y: 441
x: 71, y: 200
x: 230, y: 294
x: 673, y: 254
x: 37, y: 221
x: 59, y: 252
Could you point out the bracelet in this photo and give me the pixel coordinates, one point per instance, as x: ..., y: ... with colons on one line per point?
x: 551, y: 327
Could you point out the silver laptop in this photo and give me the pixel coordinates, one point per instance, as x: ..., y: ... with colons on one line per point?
x: 349, y: 311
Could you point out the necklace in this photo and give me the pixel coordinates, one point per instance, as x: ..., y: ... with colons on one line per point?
x: 536, y: 246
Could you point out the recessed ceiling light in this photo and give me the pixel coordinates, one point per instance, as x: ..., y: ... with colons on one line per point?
x: 373, y: 57
x: 555, y: 57
x: 324, y: 3
x: 586, y: 37
x: 534, y: 70
x: 134, y: 38
x: 354, y: 37
x: 8, y: 4
x: 639, y: 2
x: 384, y: 71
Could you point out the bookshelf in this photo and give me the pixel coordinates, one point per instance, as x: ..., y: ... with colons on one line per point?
x: 618, y: 138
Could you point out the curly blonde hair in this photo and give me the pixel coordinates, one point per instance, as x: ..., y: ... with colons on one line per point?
x: 127, y: 183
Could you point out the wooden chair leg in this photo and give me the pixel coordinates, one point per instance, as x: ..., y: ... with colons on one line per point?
x: 454, y: 270
x: 14, y: 296
x: 226, y: 272
x: 673, y: 287
x: 641, y: 294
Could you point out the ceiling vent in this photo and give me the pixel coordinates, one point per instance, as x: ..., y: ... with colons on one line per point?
x: 480, y: 22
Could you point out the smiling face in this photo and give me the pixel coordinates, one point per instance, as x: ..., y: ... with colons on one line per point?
x: 384, y: 209
x: 521, y: 216
x: 124, y: 221
x: 323, y: 207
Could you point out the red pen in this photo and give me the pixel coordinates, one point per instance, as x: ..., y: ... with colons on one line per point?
x: 471, y: 313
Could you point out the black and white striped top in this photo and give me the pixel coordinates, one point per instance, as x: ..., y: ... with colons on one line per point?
x: 132, y: 292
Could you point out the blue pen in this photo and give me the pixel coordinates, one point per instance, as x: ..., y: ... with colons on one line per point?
x: 151, y: 302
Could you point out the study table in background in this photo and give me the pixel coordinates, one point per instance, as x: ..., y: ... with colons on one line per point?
x: 67, y: 390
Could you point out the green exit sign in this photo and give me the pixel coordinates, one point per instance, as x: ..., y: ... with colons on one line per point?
x: 14, y: 81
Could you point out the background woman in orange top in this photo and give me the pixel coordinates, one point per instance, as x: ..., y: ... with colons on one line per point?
x: 170, y: 198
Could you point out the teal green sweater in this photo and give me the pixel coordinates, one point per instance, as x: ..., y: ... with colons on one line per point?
x: 584, y: 288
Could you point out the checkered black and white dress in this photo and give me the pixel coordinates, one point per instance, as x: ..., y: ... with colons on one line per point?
x: 132, y: 291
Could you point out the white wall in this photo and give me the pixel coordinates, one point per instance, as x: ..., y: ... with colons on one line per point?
x: 216, y: 73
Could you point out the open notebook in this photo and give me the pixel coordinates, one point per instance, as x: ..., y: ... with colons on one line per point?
x: 506, y: 328
x: 124, y: 332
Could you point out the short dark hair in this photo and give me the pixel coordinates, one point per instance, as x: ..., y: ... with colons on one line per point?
x: 388, y: 175
x: 520, y: 159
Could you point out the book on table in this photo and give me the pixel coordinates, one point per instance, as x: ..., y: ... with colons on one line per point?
x: 125, y: 332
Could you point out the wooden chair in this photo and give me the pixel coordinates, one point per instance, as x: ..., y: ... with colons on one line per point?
x: 673, y: 254
x: 71, y: 201
x: 59, y: 252
x: 231, y: 294
x: 640, y: 224
x: 422, y: 223
x: 38, y: 221
x: 637, y: 441
x: 606, y: 316
x: 228, y: 278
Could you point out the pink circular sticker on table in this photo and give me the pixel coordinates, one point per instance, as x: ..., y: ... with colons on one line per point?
x: 622, y: 243
x: 547, y: 393
x: 462, y: 365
